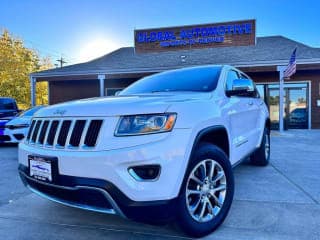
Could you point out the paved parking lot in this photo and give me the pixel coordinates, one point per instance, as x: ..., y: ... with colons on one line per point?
x: 281, y: 201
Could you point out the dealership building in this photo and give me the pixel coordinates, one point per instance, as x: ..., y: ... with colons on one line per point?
x: 232, y: 43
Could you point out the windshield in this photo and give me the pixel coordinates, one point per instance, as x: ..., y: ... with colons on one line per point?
x: 198, y: 79
x: 7, y: 104
x: 29, y: 112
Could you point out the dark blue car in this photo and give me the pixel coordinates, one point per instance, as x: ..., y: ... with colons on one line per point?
x: 8, y: 109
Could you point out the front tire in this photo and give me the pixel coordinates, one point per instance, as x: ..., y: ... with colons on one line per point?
x: 207, y: 191
x: 261, y: 156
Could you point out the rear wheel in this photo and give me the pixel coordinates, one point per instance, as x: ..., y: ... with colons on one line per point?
x: 207, y: 191
x: 261, y: 156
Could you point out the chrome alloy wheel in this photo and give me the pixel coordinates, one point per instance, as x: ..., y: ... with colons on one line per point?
x: 267, y: 146
x: 206, y: 190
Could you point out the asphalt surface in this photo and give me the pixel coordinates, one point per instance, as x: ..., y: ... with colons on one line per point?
x: 280, y: 201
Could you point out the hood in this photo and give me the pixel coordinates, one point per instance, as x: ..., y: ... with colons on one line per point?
x: 3, y: 123
x: 7, y: 114
x: 120, y: 105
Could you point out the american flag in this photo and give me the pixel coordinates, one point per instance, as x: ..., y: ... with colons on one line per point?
x: 292, y: 66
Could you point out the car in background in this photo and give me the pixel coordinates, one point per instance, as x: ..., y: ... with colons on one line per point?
x: 298, y: 118
x: 8, y: 109
x: 16, y: 129
x: 298, y: 115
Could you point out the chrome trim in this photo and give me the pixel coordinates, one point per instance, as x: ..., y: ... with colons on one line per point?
x: 84, y: 132
x: 139, y: 179
x: 46, y: 135
x: 241, y: 142
x: 116, y: 210
x: 38, y: 134
x: 30, y: 139
x: 56, y: 135
x: 73, y: 123
x: 134, y: 175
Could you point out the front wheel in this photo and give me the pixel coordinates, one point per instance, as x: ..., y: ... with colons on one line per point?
x: 207, y: 191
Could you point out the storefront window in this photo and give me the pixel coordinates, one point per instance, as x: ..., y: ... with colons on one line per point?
x: 261, y: 90
x: 295, y: 104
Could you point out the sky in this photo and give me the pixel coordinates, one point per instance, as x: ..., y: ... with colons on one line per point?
x: 80, y: 30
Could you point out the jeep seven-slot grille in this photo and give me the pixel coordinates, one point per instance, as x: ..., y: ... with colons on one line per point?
x: 31, y: 129
x: 94, y: 129
x: 52, y: 132
x: 43, y: 132
x: 64, y: 133
x: 36, y: 131
x: 77, y: 133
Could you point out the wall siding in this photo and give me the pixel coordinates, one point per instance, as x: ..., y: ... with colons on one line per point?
x: 61, y: 91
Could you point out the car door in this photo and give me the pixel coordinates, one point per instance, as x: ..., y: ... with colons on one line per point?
x: 242, y: 121
x: 254, y: 120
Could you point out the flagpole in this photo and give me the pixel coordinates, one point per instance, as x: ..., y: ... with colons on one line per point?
x: 285, y: 71
x: 281, y: 70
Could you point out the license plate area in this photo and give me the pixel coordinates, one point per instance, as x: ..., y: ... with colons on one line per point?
x: 42, y: 168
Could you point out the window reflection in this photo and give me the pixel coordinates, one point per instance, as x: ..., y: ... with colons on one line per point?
x: 295, y: 104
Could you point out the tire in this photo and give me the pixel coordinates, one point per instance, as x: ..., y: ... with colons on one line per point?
x: 190, y: 209
x: 261, y: 156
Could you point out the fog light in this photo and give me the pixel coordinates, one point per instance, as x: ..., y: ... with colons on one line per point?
x: 18, y: 136
x: 145, y: 172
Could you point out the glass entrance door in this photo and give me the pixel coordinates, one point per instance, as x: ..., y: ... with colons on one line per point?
x: 273, y: 100
x: 295, y: 112
x: 297, y: 108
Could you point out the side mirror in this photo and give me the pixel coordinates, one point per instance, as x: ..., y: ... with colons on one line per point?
x: 241, y: 87
x: 117, y: 93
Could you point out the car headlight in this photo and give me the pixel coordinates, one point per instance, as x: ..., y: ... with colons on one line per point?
x: 145, y: 124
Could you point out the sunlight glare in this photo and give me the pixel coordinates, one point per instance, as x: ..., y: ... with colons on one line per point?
x: 96, y: 48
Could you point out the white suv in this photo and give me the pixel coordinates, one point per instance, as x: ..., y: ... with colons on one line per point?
x: 163, y: 149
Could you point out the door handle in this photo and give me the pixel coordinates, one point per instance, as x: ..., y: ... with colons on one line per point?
x: 250, y: 103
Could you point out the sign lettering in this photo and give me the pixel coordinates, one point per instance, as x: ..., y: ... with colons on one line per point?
x: 198, y: 36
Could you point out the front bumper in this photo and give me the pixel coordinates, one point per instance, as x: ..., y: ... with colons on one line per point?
x: 99, y: 196
x: 13, y: 135
x: 108, y: 172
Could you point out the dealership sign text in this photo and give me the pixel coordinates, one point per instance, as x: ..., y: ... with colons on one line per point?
x: 221, y: 34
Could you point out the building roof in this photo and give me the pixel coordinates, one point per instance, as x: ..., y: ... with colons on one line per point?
x: 273, y: 50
